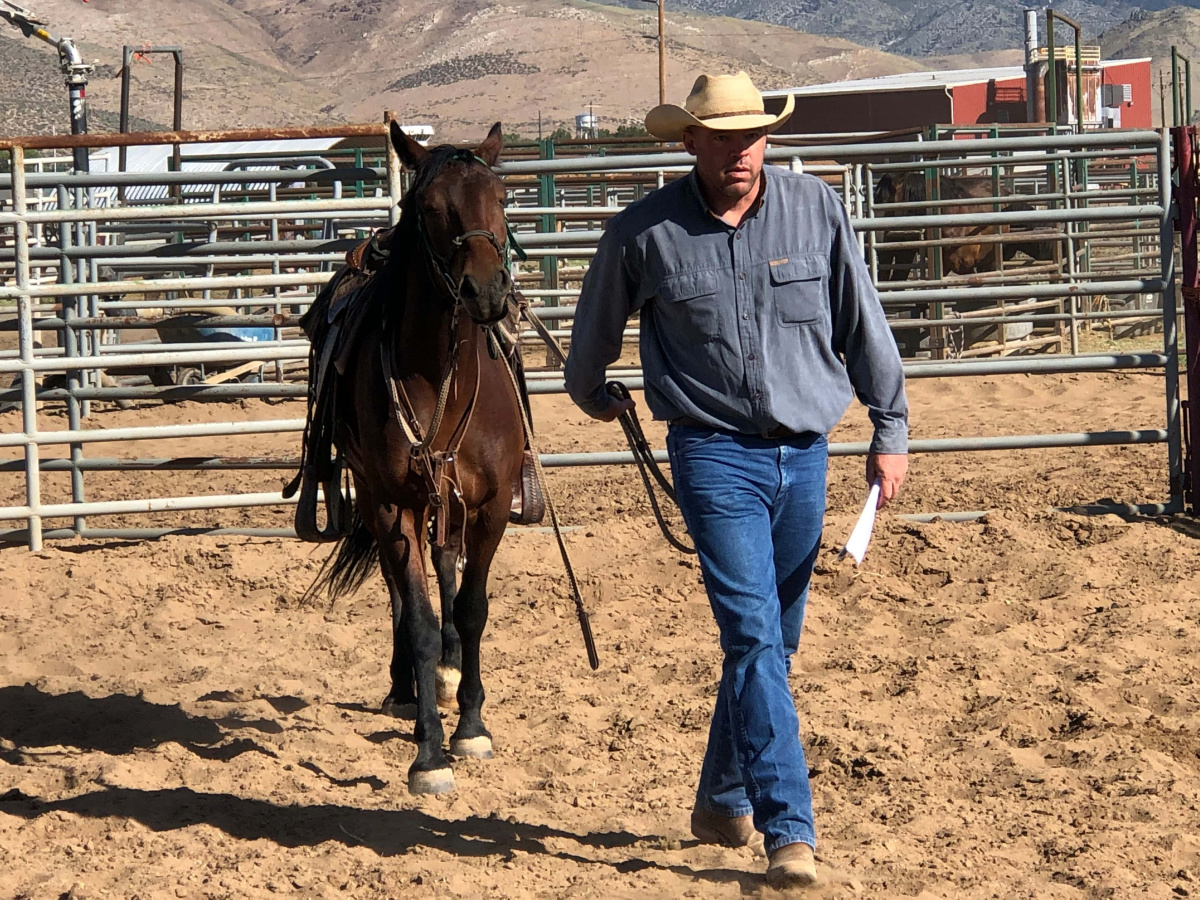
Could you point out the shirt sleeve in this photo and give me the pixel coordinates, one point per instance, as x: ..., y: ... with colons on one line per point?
x: 862, y: 337
x: 606, y: 302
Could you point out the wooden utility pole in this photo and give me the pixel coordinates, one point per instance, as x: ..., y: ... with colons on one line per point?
x: 662, y: 57
x: 662, y: 53
x: 1162, y: 98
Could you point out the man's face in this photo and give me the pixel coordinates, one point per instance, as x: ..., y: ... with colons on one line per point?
x: 729, y: 162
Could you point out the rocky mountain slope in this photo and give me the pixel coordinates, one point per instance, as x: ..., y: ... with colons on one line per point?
x: 921, y: 27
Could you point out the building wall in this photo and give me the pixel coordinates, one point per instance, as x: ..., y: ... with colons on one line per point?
x: 988, y: 103
x: 863, y: 111
x: 1140, y: 113
x: 983, y: 103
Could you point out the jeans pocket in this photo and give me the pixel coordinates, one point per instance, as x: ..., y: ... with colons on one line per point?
x: 682, y: 438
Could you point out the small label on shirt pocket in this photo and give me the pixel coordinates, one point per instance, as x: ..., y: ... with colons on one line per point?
x: 799, y: 288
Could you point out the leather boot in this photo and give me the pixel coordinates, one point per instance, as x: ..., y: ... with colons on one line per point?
x: 728, y: 831
x: 792, y: 865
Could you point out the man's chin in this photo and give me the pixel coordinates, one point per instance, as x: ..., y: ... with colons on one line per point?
x: 737, y: 189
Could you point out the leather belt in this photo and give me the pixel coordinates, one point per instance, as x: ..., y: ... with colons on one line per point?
x: 772, y: 434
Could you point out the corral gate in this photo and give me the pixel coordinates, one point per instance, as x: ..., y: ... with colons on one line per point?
x: 258, y: 244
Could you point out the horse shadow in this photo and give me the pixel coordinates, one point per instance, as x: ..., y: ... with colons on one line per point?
x: 121, y: 724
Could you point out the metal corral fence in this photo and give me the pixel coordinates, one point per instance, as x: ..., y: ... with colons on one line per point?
x: 195, y: 260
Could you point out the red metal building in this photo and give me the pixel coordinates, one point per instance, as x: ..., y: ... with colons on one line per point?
x: 1116, y: 95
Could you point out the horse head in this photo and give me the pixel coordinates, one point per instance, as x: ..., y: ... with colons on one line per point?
x: 885, y: 189
x: 454, y: 218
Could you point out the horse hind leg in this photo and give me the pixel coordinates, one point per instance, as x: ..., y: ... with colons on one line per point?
x: 449, y: 670
x: 471, y: 738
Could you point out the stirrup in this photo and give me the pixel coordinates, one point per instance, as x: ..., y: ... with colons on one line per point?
x: 528, y: 504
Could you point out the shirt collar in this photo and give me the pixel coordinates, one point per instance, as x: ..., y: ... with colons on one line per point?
x: 763, y: 191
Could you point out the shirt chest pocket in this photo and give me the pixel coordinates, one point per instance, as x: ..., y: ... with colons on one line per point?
x: 690, y: 306
x: 799, y: 289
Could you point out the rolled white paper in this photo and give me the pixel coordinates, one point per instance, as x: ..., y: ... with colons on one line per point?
x: 860, y: 537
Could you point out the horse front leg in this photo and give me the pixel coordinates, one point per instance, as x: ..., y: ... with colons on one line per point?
x: 449, y: 670
x: 472, y: 738
x: 403, y: 549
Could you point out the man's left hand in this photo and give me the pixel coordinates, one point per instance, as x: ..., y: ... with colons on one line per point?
x: 889, y: 469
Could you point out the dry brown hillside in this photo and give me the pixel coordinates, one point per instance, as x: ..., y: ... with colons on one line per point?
x: 456, y: 64
x: 232, y: 75
x: 460, y: 64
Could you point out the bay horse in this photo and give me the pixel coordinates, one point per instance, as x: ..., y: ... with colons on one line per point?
x: 966, y: 257
x: 427, y: 418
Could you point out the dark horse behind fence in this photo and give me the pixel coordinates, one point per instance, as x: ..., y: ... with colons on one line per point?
x: 966, y: 256
x: 428, y: 419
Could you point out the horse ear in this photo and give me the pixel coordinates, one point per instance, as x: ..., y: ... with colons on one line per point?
x: 410, y: 152
x: 489, y: 150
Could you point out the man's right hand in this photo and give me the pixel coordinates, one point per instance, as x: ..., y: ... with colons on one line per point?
x: 615, y: 408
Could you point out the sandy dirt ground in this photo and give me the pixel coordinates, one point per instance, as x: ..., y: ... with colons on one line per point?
x: 1002, y: 708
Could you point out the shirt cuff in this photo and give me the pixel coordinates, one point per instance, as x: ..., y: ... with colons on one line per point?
x: 595, y: 402
x: 890, y: 437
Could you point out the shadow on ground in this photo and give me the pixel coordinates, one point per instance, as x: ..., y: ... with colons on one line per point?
x: 121, y: 724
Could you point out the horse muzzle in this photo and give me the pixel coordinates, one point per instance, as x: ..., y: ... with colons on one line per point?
x: 486, y: 303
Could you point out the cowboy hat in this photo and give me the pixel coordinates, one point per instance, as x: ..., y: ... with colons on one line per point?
x: 720, y: 102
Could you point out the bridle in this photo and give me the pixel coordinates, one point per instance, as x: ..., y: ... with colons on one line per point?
x: 440, y: 265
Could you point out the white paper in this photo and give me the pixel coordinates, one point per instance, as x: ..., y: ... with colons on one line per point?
x: 860, y: 537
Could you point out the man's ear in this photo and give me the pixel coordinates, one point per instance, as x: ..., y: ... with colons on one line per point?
x: 489, y: 150
x: 410, y: 152
x: 689, y: 141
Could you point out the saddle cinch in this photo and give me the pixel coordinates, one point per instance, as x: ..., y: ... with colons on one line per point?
x: 333, y: 325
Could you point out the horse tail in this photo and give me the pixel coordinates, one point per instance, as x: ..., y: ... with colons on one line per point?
x: 350, y: 563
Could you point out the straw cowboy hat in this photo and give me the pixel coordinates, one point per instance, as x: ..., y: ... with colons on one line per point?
x: 720, y: 102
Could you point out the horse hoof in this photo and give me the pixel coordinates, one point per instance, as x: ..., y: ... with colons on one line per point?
x: 406, y: 711
x: 437, y: 781
x: 447, y: 686
x: 475, y: 747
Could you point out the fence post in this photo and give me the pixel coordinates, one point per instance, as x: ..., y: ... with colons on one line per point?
x: 70, y: 343
x: 548, y: 225
x: 1189, y: 188
x: 395, y: 188
x: 33, y: 487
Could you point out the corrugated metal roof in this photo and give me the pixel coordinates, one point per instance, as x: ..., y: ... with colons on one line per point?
x: 156, y: 157
x: 907, y: 81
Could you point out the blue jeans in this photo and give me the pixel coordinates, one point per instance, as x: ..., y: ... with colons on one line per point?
x: 754, y: 507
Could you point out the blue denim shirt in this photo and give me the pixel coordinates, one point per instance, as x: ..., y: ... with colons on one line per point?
x: 770, y: 324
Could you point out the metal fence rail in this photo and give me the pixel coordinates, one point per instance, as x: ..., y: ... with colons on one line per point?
x: 251, y: 248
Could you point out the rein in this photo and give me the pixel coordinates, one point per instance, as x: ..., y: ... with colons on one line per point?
x: 647, y: 465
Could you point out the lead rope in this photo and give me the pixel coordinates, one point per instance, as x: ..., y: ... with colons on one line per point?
x: 589, y: 641
x: 644, y: 457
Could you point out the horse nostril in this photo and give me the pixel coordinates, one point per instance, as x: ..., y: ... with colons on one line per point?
x: 468, y: 288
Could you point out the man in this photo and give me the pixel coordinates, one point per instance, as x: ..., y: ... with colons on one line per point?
x: 758, y: 317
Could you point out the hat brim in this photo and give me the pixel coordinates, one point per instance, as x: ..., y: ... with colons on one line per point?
x: 669, y: 121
